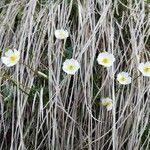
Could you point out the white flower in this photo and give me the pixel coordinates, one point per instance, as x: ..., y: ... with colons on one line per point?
x: 106, y: 59
x: 61, y: 34
x: 11, y: 57
x: 70, y: 66
x: 124, y: 78
x: 145, y: 68
x: 108, y: 103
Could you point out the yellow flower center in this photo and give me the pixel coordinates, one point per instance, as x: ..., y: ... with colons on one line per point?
x: 61, y: 33
x: 108, y: 103
x: 123, y: 79
x: 147, y: 69
x: 105, y: 60
x: 71, y: 67
x: 13, y: 58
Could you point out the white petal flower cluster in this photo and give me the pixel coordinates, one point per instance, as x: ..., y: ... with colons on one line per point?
x: 145, y: 69
x: 11, y: 57
x: 124, y: 78
x: 71, y: 66
x: 105, y: 59
x: 108, y: 103
x: 61, y: 34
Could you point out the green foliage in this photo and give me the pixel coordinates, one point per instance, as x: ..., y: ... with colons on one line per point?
x: 68, y: 52
x: 72, y: 115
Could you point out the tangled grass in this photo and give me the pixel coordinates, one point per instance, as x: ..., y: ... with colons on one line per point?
x: 63, y: 112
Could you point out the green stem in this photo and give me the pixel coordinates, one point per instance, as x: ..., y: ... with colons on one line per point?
x: 42, y: 74
x: 35, y: 71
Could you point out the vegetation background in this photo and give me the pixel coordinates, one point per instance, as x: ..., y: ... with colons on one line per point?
x: 64, y: 112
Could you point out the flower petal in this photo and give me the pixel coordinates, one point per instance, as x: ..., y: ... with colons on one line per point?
x: 109, y: 108
x: 5, y: 60
x: 17, y: 53
x: 9, y: 52
x: 61, y: 34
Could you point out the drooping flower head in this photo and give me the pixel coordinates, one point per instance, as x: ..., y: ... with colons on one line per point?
x: 11, y: 57
x: 105, y: 59
x: 71, y: 66
x: 108, y: 103
x: 145, y: 69
x: 124, y: 78
x: 61, y: 34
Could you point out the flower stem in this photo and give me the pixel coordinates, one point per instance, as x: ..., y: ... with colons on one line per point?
x: 42, y: 74
x: 36, y: 72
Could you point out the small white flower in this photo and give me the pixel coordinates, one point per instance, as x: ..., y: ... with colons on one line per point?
x: 145, y: 69
x: 61, y: 34
x: 11, y: 57
x: 108, y: 103
x: 106, y: 59
x: 124, y: 78
x: 70, y: 66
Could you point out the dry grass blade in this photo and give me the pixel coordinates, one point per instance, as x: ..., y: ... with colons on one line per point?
x: 42, y: 107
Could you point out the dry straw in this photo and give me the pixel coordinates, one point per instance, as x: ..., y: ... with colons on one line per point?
x: 44, y: 108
